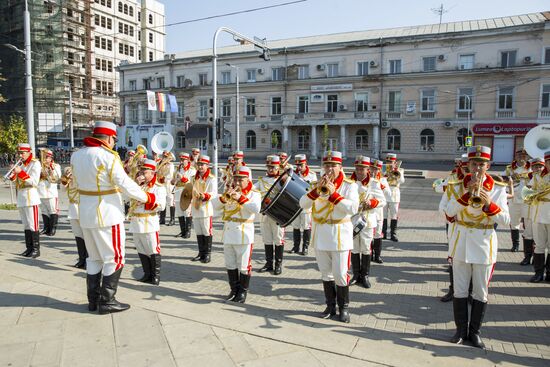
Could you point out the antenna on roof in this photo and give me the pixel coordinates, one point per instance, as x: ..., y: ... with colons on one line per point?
x: 441, y: 10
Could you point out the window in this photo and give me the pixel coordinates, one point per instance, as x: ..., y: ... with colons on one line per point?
x: 150, y: 37
x: 395, y: 66
x: 250, y: 107
x: 394, y: 104
x: 132, y: 85
x: 250, y: 75
x: 133, y: 112
x: 303, y: 104
x: 181, y: 109
x: 120, y: 27
x: 361, y: 140
x: 125, y: 8
x: 70, y: 58
x: 363, y: 68
x: 110, y: 66
x: 131, y: 11
x: 139, y: 16
x: 276, y: 140
x: 226, y: 77
x: 203, y: 108
x: 120, y: 6
x: 508, y: 59
x: 361, y: 102
x: 505, y: 98
x: 303, y: 72
x: 547, y: 55
x: 332, y: 70
x: 70, y: 35
x: 203, y: 79
x: 180, y: 140
x: 250, y: 139
x: 394, y: 139
x: 109, y: 23
x: 146, y: 83
x: 461, y: 135
x: 150, y: 56
x: 277, y: 73
x: 428, y: 63
x: 332, y: 103
x: 303, y: 140
x: 226, y: 107
x: 180, y: 81
x: 465, y: 99
x: 545, y: 100
x: 428, y: 100
x: 427, y: 140
x: 160, y: 82
x: 276, y: 105
x: 150, y: 18
x: 97, y: 41
x: 466, y: 62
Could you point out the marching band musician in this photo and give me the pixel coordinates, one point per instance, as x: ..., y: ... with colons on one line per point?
x: 537, y: 166
x: 144, y: 223
x: 541, y: 221
x: 395, y: 177
x: 100, y: 177
x: 481, y: 204
x: 375, y: 169
x: 183, y: 175
x: 26, y: 176
x: 272, y: 234
x: 47, y: 190
x: 238, y: 158
x: 228, y: 169
x: 370, y: 197
x: 283, y: 156
x: 129, y: 155
x: 333, y: 201
x: 68, y: 186
x: 165, y: 173
x: 195, y: 154
x: 302, y: 224
x: 518, y: 170
x: 239, y: 205
x: 204, y: 190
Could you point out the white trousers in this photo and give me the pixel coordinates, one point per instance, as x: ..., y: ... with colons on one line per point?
x: 302, y: 221
x: 106, y: 249
x: 238, y: 257
x: 75, y: 226
x: 362, y: 243
x: 541, y: 233
x: 272, y: 234
x: 391, y: 210
x: 515, y: 215
x: 170, y: 198
x: 49, y: 206
x: 203, y: 226
x: 480, y: 274
x: 528, y: 228
x: 378, y: 230
x: 147, y: 243
x: 334, y: 266
x: 29, y: 217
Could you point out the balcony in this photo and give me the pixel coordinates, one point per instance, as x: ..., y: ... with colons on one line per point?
x: 464, y: 114
x: 252, y: 118
x: 202, y: 119
x: 393, y: 115
x: 544, y: 113
x: 276, y: 117
x: 331, y: 118
x: 506, y: 114
x: 427, y: 115
x: 329, y: 115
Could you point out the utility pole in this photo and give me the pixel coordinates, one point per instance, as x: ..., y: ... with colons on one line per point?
x: 29, y: 101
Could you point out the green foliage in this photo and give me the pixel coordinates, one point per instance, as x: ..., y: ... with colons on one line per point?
x: 325, y: 137
x: 8, y: 207
x: 274, y: 140
x: 12, y: 132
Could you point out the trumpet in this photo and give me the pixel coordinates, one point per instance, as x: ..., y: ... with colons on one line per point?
x: 229, y: 191
x: 475, y: 198
x: 66, y: 177
x: 135, y: 161
x: 323, y: 185
x: 7, y: 176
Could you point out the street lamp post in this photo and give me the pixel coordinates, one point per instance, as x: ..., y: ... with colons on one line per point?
x: 28, y: 76
x: 67, y: 84
x: 238, y: 120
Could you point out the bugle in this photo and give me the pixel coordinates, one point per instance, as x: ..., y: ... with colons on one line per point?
x: 7, y: 176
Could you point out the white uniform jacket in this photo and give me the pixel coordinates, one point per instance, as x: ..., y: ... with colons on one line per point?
x: 182, y: 176
x: 310, y: 177
x: 206, y: 185
x: 332, y: 228
x: 262, y: 186
x: 26, y: 183
x: 395, y: 188
x: 166, y: 181
x: 238, y: 217
x: 370, y: 189
x: 523, y: 173
x: 72, y: 194
x: 47, y: 187
x: 541, y: 208
x: 144, y: 218
x: 475, y: 241
x: 385, y: 187
x: 100, y: 177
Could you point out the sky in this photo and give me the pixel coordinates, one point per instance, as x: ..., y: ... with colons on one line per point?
x: 316, y: 17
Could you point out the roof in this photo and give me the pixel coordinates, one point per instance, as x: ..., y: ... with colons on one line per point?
x: 376, y: 34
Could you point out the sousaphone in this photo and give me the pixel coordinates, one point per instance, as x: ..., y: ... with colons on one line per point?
x: 537, y: 141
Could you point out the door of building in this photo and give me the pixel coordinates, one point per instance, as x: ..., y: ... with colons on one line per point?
x: 503, y: 149
x: 332, y: 144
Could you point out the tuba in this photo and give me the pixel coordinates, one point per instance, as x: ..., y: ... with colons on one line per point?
x: 134, y: 162
x: 537, y: 141
x: 162, y: 142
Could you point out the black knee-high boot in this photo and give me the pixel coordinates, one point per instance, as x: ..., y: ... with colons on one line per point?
x: 155, y: 269
x: 200, y: 242
x: 460, y: 310
x: 393, y: 230
x: 296, y: 236
x: 355, y: 268
x: 172, y: 216
x: 385, y: 229
x: 107, y: 300
x: 342, y: 298
x: 46, y: 227
x: 146, y: 265
x: 207, y: 249
x: 527, y: 252
x: 35, y: 244
x: 183, y: 226
x: 268, y: 259
x: 233, y: 276
x: 377, y: 250
x: 305, y: 241
x: 53, y: 224
x: 28, y: 243
x: 538, y: 264
x: 244, y: 285
x: 162, y: 217
x: 449, y: 296
x: 515, y: 239
x: 189, y: 222
x: 82, y: 253
x: 330, y: 299
x: 279, y: 251
x: 476, y: 320
x: 365, y: 270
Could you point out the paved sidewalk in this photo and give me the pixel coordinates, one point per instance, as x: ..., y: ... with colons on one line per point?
x: 183, y: 322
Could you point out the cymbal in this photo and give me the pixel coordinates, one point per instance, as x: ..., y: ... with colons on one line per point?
x: 186, y: 196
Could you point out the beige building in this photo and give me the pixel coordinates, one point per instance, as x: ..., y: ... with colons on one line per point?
x: 410, y: 90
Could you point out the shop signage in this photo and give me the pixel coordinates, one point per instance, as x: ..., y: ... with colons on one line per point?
x: 331, y: 88
x: 502, y: 129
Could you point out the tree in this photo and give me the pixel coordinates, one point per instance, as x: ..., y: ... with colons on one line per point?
x: 325, y: 137
x: 2, y: 99
x: 12, y: 132
x: 274, y: 140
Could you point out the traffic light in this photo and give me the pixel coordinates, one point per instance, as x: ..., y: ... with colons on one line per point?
x: 219, y: 128
x: 211, y: 111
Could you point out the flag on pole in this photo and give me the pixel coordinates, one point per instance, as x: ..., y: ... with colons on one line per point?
x: 161, y: 102
x: 151, y: 101
x: 173, y: 103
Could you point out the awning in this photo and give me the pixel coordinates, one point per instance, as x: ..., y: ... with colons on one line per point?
x: 199, y: 131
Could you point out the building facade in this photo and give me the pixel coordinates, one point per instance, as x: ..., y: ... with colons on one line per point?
x: 76, y: 44
x: 417, y: 91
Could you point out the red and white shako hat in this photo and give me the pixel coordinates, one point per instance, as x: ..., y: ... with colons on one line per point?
x: 230, y: 159
x: 23, y: 147
x: 362, y: 161
x: 480, y: 153
x: 131, y: 153
x: 49, y: 153
x: 283, y: 155
x: 243, y: 171
x: 547, y: 155
x: 104, y: 128
x: 300, y: 158
x: 391, y: 157
x: 204, y: 159
x: 536, y: 161
x: 196, y: 151
x: 149, y: 164
x: 464, y: 158
x: 376, y: 163
x: 238, y: 154
x: 184, y: 155
x: 272, y: 160
x: 332, y: 156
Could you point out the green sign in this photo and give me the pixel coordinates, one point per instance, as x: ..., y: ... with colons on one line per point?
x: 468, y: 141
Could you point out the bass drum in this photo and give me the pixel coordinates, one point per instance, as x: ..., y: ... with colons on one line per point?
x: 359, y: 222
x: 282, y: 201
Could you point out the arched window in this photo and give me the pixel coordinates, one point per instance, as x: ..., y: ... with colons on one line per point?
x: 226, y: 141
x: 394, y: 139
x: 361, y: 140
x: 303, y: 140
x: 461, y: 135
x: 150, y: 18
x: 180, y: 140
x: 250, y: 139
x: 276, y: 140
x: 131, y: 11
x: 120, y: 6
x: 125, y: 9
x: 427, y: 140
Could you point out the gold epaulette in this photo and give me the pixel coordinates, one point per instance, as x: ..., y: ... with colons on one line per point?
x: 456, y: 182
x: 111, y: 151
x: 348, y: 180
x: 211, y: 175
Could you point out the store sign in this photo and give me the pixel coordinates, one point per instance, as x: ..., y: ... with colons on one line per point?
x: 331, y: 88
x: 503, y: 129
